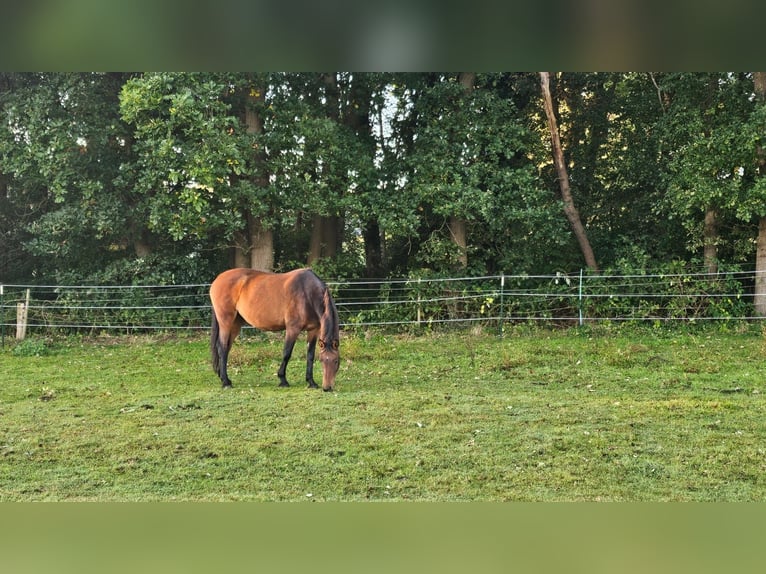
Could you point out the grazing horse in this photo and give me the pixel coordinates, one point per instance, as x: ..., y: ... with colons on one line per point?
x: 295, y: 301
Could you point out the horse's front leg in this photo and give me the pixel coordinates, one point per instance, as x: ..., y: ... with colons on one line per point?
x: 310, y: 362
x: 287, y: 351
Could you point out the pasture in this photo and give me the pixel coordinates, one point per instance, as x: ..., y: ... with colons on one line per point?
x: 536, y: 415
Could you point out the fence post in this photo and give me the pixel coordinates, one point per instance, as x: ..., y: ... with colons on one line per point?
x: 502, y: 310
x: 22, y: 311
x: 580, y: 302
x: 419, y: 312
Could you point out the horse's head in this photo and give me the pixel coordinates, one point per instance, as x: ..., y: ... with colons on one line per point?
x: 329, y: 356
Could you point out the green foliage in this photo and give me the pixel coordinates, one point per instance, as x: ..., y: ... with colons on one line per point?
x: 62, y: 146
x: 345, y: 266
x: 155, y: 269
x: 465, y: 160
x: 614, y: 149
x: 670, y: 293
x: 101, y: 172
x: 30, y: 348
x: 709, y: 128
x: 190, y: 148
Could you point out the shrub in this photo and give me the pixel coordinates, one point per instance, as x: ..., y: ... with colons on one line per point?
x: 31, y: 348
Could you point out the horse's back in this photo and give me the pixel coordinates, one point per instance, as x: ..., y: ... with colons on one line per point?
x: 265, y: 300
x: 227, y: 287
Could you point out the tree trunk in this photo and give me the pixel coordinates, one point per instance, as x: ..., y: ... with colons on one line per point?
x: 241, y: 250
x: 327, y: 229
x: 457, y: 231
x: 357, y: 117
x: 315, y: 243
x: 759, y: 299
x: 710, y: 235
x: 710, y: 225
x: 261, y: 245
x: 254, y: 247
x: 373, y: 250
x: 561, y: 170
x: 457, y: 225
x: 142, y: 248
x: 324, y: 237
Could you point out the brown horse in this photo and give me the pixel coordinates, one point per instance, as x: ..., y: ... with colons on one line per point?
x: 295, y: 301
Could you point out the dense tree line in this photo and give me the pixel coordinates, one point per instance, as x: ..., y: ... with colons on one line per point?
x: 172, y: 177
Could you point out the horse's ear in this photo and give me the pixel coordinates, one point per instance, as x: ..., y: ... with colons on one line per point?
x: 335, y: 344
x: 321, y: 345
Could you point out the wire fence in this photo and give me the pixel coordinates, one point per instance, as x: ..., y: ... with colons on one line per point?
x: 563, y: 299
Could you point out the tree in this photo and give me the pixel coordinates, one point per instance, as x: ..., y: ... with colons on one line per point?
x: 165, y: 177
x: 358, y: 121
x: 63, y: 150
x: 708, y: 163
x: 457, y: 224
x: 608, y: 128
x: 12, y: 215
x: 326, y: 228
x: 759, y: 82
x: 443, y: 166
x: 254, y: 245
x: 460, y: 152
x: 316, y: 160
x: 573, y: 216
x: 200, y: 159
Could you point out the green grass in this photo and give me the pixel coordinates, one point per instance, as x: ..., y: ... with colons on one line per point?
x: 537, y: 415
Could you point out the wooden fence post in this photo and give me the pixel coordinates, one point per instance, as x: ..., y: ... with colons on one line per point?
x: 22, y: 312
x: 419, y: 310
x: 502, y: 305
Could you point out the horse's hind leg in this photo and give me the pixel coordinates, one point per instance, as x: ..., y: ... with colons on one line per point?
x: 223, y: 357
x: 287, y: 352
x: 223, y: 340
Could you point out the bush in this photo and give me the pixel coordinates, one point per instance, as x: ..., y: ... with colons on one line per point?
x: 31, y: 348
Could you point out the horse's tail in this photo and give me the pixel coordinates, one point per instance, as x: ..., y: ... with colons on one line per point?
x: 214, y: 332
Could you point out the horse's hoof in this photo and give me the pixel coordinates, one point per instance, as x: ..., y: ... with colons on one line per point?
x: 226, y: 385
x: 284, y: 384
x: 312, y: 385
x: 327, y: 390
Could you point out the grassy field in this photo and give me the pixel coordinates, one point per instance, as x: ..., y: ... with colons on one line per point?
x: 534, y: 416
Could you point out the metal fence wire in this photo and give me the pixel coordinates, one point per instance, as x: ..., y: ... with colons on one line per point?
x: 576, y: 298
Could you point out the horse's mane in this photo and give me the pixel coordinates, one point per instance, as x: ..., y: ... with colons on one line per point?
x: 330, y: 324
x: 327, y: 313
